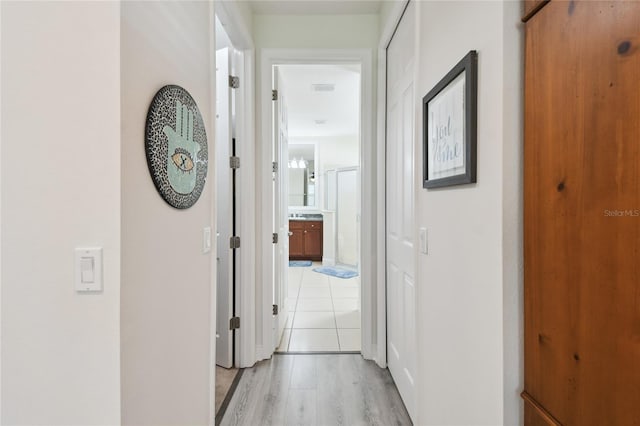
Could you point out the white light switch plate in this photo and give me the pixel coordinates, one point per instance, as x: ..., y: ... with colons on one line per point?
x: 206, y: 240
x: 424, y: 245
x: 88, y: 269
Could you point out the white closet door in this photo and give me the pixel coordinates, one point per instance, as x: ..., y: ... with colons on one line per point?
x: 401, y: 293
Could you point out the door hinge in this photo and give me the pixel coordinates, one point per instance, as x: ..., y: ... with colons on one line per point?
x: 274, y: 95
x: 234, y: 162
x: 234, y: 82
x: 234, y: 323
x: 234, y: 242
x: 274, y: 166
x: 275, y: 309
x: 274, y: 238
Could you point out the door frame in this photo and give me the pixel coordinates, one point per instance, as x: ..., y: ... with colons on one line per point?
x: 230, y: 14
x: 371, y: 316
x: 388, y: 30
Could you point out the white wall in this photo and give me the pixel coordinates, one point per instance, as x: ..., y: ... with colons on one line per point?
x: 167, y: 282
x: 469, y: 285
x: 237, y: 17
x: 512, y: 211
x: 60, y: 190
x: 390, y: 9
x: 315, y: 31
x: 339, y: 151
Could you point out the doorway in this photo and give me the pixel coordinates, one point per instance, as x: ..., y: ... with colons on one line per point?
x: 226, y: 218
x: 316, y: 206
x: 274, y: 287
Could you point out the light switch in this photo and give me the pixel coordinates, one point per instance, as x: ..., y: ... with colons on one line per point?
x: 423, y: 241
x: 206, y: 240
x: 88, y: 268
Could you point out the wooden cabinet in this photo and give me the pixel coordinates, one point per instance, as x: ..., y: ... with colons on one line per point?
x: 305, y: 240
x: 296, y: 239
x: 582, y: 214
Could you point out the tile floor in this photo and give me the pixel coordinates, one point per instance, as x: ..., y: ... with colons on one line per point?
x: 324, y: 312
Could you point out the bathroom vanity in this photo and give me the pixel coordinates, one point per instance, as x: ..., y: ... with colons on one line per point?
x: 305, y: 238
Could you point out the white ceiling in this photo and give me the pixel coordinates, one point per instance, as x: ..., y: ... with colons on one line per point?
x: 340, y: 108
x: 315, y: 7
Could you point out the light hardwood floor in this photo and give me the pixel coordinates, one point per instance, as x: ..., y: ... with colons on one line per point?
x: 340, y: 389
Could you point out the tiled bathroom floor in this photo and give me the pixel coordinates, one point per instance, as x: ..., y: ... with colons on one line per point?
x: 324, y: 312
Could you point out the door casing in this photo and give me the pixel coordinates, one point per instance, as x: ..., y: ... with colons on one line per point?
x: 372, y: 346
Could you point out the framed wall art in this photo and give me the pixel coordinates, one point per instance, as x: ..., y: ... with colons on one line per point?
x: 176, y: 147
x: 450, y: 127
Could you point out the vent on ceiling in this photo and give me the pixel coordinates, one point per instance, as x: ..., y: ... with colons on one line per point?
x: 323, y: 87
x: 319, y: 122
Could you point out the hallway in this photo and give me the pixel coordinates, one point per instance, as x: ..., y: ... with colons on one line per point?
x: 339, y: 389
x: 128, y: 241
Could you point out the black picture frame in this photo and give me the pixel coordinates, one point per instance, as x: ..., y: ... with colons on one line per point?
x: 443, y: 147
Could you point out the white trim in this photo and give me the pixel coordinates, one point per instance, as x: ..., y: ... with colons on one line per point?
x: 246, y: 206
x: 1, y: 227
x: 269, y: 58
x: 213, y: 254
x: 389, y: 27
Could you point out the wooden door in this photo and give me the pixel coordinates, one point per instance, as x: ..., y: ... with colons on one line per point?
x: 401, y: 269
x: 582, y: 214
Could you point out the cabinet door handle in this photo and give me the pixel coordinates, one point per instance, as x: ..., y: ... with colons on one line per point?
x: 290, y: 233
x: 305, y: 232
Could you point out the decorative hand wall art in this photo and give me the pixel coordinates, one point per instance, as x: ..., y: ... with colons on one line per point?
x: 176, y: 147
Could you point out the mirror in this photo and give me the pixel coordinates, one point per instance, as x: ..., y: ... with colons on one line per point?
x: 302, y: 175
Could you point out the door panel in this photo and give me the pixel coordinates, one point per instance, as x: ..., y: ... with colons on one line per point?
x: 582, y: 212
x: 224, y: 219
x: 296, y: 242
x: 313, y: 243
x: 401, y: 295
x: 281, y: 209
